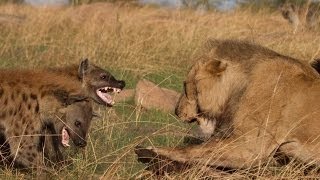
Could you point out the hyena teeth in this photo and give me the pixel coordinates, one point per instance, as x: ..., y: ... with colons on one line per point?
x: 110, y: 89
x: 117, y: 90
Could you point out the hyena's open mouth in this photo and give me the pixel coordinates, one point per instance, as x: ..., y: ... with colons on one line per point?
x: 105, y: 94
x: 65, y: 137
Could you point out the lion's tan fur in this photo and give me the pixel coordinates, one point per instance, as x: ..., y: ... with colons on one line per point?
x: 270, y: 106
x: 150, y: 96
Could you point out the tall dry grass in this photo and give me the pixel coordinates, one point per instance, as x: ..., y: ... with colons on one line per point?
x: 138, y: 42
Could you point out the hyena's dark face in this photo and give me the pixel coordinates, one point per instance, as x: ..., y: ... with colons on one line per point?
x: 100, y: 84
x: 76, y: 124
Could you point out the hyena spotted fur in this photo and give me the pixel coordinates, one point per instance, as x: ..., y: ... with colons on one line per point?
x: 30, y: 102
x: 96, y: 83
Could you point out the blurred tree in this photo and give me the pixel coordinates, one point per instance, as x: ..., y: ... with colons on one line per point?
x: 11, y: 1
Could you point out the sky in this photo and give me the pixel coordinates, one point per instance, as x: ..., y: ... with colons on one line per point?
x: 47, y: 2
x: 223, y: 5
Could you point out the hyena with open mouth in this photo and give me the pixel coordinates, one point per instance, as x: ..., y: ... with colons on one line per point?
x: 98, y: 83
x: 50, y: 91
x: 30, y: 102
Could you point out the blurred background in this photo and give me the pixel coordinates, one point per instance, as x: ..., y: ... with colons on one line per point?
x: 204, y: 5
x: 157, y: 40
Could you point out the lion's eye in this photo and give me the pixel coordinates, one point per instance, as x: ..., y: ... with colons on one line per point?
x: 77, y: 124
x: 184, y: 86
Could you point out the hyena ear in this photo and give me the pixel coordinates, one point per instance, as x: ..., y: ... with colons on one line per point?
x: 67, y: 99
x: 62, y: 110
x: 83, y: 68
x: 215, y: 67
x: 75, y: 98
x: 96, y: 115
x: 61, y: 95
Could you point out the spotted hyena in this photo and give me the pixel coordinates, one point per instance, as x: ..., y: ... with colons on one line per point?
x: 72, y: 124
x: 31, y: 101
x: 93, y: 80
x: 99, y: 84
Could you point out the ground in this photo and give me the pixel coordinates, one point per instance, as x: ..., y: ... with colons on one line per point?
x: 132, y: 43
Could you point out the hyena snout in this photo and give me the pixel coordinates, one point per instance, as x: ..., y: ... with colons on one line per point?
x: 79, y: 139
x: 80, y: 142
x: 121, y: 84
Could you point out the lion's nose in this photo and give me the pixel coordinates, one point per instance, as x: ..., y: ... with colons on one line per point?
x: 176, y: 111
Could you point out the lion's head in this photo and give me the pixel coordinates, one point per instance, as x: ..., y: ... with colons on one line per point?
x: 211, y: 90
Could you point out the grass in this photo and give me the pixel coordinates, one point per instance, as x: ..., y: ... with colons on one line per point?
x: 133, y: 43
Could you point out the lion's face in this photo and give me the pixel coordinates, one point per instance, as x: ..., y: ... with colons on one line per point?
x: 187, y: 107
x: 196, y: 99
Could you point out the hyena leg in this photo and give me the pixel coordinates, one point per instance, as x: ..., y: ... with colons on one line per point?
x: 229, y: 153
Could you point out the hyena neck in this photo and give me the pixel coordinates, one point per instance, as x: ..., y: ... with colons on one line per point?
x: 70, y: 71
x: 49, y: 127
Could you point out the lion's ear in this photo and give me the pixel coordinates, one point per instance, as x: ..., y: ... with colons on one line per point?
x: 83, y: 68
x: 215, y: 67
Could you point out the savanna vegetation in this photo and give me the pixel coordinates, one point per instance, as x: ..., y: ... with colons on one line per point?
x: 135, y: 42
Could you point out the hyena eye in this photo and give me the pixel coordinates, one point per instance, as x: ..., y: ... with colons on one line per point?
x: 77, y: 124
x: 103, y: 76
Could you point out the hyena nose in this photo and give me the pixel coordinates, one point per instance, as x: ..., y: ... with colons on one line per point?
x: 81, y: 143
x: 121, y: 84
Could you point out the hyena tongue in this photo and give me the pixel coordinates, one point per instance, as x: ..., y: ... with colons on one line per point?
x: 65, y: 137
x: 105, y: 97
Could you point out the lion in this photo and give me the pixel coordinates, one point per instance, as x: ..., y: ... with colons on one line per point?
x: 264, y: 105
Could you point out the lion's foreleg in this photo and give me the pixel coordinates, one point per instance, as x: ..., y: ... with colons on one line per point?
x: 231, y: 153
